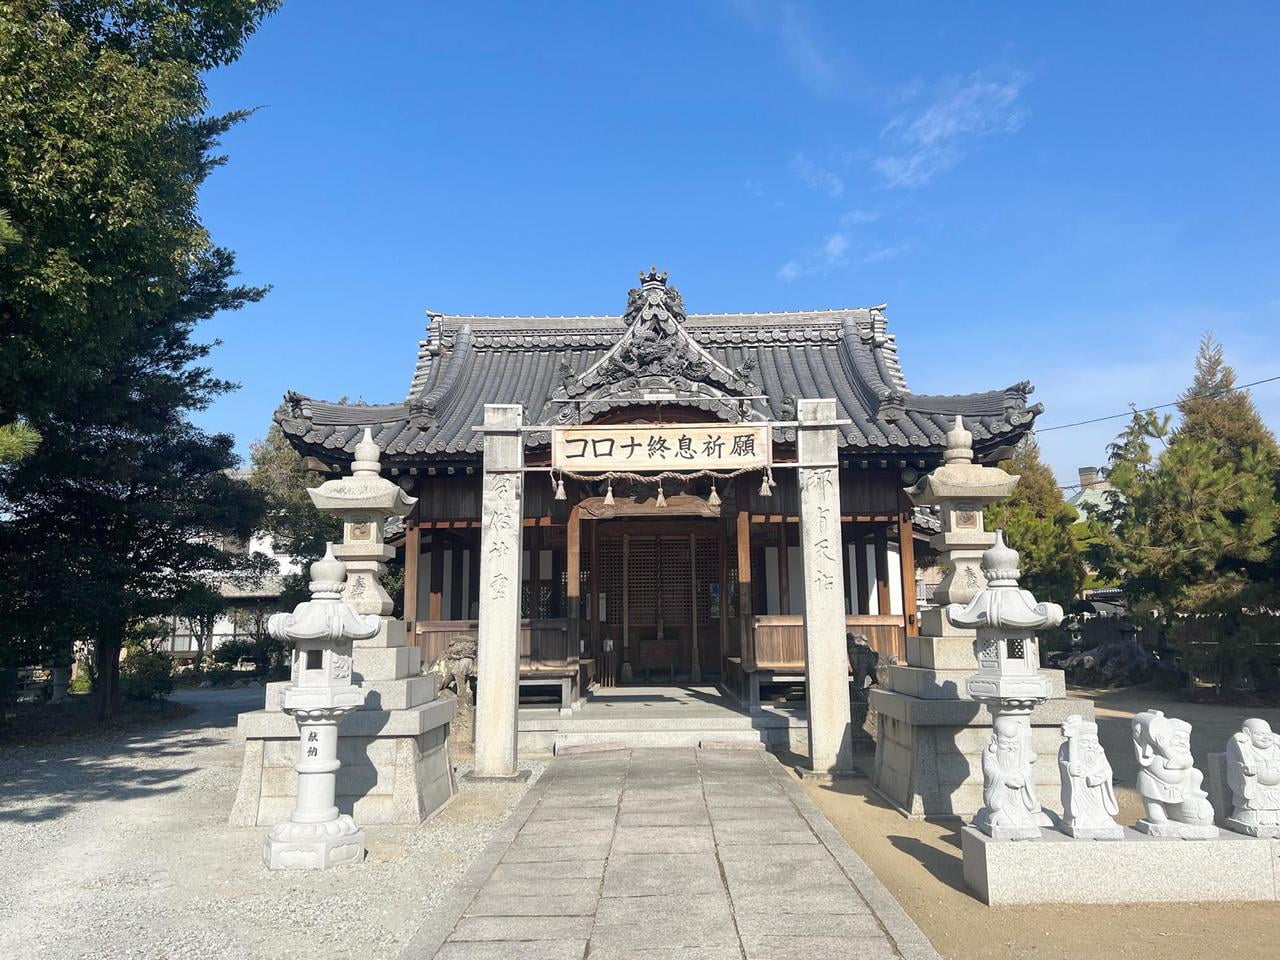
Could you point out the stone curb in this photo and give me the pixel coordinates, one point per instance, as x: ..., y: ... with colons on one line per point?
x: 907, y: 937
x: 444, y: 917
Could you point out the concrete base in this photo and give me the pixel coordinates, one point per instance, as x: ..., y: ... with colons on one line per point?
x: 1137, y: 869
x: 1173, y: 830
x: 518, y: 776
x: 396, y: 766
x: 313, y: 846
x: 1094, y: 833
x: 929, y: 750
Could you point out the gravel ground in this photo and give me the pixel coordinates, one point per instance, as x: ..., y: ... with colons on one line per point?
x: 116, y: 846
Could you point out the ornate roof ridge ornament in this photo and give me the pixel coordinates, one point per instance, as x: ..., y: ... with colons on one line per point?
x: 656, y: 358
x: 1003, y: 605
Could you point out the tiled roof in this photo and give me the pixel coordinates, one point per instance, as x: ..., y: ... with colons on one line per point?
x: 548, y: 363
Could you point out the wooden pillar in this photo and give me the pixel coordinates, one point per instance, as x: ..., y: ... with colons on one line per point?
x: 860, y: 571
x: 784, y: 570
x: 723, y: 580
x: 593, y: 591
x: 882, y: 569
x: 907, y: 561
x: 474, y: 586
x: 573, y: 578
x: 695, y: 667
x: 456, y: 596
x: 535, y: 571
x: 746, y: 624
x: 435, y: 598
x: 626, y: 645
x: 412, y: 546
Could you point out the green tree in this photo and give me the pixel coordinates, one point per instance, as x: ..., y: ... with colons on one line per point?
x: 1213, y: 410
x: 1037, y: 522
x: 1193, y: 530
x: 105, y: 141
x: 296, y: 527
x: 199, y: 606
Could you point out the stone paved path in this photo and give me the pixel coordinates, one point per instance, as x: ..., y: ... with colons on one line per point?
x: 656, y: 854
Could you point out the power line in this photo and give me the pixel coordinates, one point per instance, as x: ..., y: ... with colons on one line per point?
x: 1159, y: 406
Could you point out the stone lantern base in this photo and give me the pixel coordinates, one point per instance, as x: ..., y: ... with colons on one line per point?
x: 394, y: 750
x: 929, y: 744
x: 313, y: 846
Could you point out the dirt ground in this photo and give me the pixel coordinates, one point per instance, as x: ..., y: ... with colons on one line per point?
x: 920, y: 863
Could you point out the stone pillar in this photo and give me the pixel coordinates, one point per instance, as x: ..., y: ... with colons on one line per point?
x: 498, y: 648
x: 826, y: 661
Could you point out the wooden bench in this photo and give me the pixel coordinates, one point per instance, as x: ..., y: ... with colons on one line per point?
x: 566, y: 680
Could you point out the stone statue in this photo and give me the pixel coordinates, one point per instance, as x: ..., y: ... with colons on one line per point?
x: 1253, y: 773
x: 1010, y: 808
x: 863, y: 660
x: 457, y: 664
x: 1088, y: 798
x: 1168, y: 780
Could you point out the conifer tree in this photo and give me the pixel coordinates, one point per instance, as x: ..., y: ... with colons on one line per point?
x: 1037, y: 522
x: 105, y: 141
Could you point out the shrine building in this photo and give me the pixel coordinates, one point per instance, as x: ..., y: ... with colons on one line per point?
x: 656, y: 467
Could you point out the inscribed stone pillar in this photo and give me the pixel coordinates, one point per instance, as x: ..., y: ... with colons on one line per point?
x: 826, y: 660
x: 498, y: 648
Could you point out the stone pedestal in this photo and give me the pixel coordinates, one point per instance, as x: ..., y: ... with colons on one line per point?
x: 1135, y: 869
x: 929, y: 734
x: 394, y: 750
x: 826, y: 658
x: 498, y: 646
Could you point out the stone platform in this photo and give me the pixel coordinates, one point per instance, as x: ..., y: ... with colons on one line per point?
x: 394, y: 750
x: 1137, y: 869
x: 708, y: 854
x: 929, y: 748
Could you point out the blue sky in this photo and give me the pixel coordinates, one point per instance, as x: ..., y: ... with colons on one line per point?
x: 1069, y: 194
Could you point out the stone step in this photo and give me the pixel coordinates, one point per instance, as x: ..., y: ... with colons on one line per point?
x: 689, y: 736
x: 580, y: 724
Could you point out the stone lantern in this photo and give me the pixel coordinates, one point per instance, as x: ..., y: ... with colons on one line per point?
x: 321, y: 629
x: 364, y: 500
x: 1009, y: 683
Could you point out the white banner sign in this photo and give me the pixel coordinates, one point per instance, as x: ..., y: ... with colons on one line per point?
x: 692, y: 446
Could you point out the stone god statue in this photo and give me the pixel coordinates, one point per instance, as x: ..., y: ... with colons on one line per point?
x: 1253, y: 774
x: 1168, y: 781
x: 1010, y: 808
x: 1088, y: 799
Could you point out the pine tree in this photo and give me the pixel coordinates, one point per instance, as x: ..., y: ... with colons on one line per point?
x: 1194, y: 530
x: 297, y: 528
x: 1037, y: 522
x: 1212, y: 409
x: 104, y: 144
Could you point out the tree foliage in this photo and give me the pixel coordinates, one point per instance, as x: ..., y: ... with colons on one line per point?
x: 1193, y: 529
x: 297, y: 528
x: 105, y: 141
x: 1037, y: 522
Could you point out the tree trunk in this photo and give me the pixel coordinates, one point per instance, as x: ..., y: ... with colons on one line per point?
x: 106, y: 653
x: 197, y: 667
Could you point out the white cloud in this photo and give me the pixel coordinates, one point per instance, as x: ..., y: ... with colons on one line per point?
x: 802, y: 46
x: 887, y: 252
x: 816, y: 176
x: 854, y: 217
x: 804, y: 52
x: 928, y: 142
x: 830, y: 254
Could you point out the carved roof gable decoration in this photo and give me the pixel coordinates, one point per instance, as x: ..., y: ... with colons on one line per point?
x: 656, y: 360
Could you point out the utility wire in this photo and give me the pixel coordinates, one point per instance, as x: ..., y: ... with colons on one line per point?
x: 1158, y: 406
